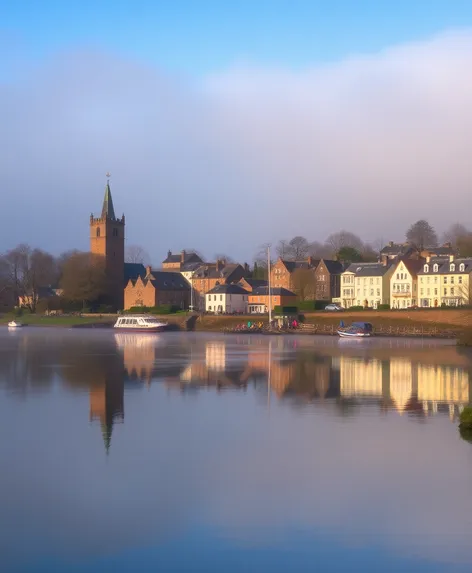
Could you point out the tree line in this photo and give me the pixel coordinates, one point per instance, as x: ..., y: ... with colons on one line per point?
x: 78, y: 276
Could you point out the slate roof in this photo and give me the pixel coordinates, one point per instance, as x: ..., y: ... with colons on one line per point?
x: 228, y: 289
x: 255, y: 283
x: 334, y: 267
x: 167, y: 280
x: 188, y: 258
x: 133, y: 271
x: 443, y: 250
x: 368, y: 269
x: 278, y: 291
x: 445, y: 269
x: 293, y: 265
x: 440, y: 261
x: 397, y: 249
x: 211, y: 271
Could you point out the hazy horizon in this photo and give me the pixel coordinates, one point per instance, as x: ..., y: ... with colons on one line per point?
x: 369, y: 141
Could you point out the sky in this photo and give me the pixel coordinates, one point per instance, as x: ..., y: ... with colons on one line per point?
x: 226, y: 125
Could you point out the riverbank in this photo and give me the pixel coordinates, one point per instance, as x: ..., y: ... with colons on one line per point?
x: 453, y: 322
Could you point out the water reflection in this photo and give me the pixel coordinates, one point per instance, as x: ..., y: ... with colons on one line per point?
x: 306, y: 446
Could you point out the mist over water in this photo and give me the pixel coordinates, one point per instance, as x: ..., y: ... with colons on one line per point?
x: 177, y: 452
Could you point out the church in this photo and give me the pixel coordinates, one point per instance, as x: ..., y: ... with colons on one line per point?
x: 107, y: 240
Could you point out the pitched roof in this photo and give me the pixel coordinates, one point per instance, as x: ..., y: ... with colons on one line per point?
x: 168, y: 280
x: 228, y: 289
x: 133, y: 271
x: 293, y: 265
x: 413, y: 266
x: 211, y: 271
x: 108, y: 211
x: 278, y: 291
x: 396, y: 248
x: 443, y: 250
x: 368, y: 269
x: 254, y: 283
x: 334, y: 267
x: 188, y: 258
x: 430, y: 265
x: 445, y: 269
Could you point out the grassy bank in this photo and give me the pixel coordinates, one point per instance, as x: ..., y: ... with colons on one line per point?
x: 457, y: 321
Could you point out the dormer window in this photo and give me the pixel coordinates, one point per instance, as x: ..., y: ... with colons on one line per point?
x: 452, y: 267
x: 435, y: 268
x: 462, y: 267
x: 426, y: 268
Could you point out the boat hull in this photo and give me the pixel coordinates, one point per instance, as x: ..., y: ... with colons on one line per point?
x: 139, y: 329
x: 354, y: 334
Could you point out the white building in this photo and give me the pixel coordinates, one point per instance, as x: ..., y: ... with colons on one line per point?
x: 404, y: 284
x: 226, y: 299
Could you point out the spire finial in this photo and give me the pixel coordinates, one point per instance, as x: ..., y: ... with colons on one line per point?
x: 108, y: 175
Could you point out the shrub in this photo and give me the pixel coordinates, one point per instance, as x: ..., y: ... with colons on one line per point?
x: 285, y: 310
x: 307, y: 305
x: 466, y: 417
x: 356, y: 308
x: 383, y: 307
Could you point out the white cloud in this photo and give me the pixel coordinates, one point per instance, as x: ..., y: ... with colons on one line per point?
x: 247, y: 155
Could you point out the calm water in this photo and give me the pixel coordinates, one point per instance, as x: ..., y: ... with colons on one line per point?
x: 188, y: 452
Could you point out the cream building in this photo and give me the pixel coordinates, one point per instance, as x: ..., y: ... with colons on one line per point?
x: 445, y: 281
x: 365, y: 284
x: 404, y: 284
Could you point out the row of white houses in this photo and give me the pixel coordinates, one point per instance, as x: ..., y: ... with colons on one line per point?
x: 430, y: 282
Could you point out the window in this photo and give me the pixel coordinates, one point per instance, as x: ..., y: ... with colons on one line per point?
x: 427, y: 280
x: 209, y: 308
x: 460, y: 280
x: 378, y: 292
x: 398, y: 276
x: 221, y: 297
x: 445, y: 280
x: 371, y: 281
x: 426, y: 268
x: 452, y: 280
x: 98, y: 232
x: 452, y: 267
x: 422, y: 291
x: 429, y: 291
x: 462, y: 267
x: 445, y: 291
x: 452, y: 290
x: 435, y: 291
x: 115, y: 232
x: 435, y: 268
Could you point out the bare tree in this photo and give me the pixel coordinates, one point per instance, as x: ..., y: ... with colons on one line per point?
x: 84, y: 278
x: 319, y: 250
x: 454, y: 233
x: 297, y: 249
x: 344, y: 239
x: 422, y: 234
x: 261, y: 256
x: 282, y: 248
x: 464, y: 245
x: 223, y: 257
x: 303, y: 281
x: 136, y: 254
x: 27, y: 270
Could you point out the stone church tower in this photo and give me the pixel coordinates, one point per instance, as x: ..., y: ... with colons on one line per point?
x: 107, y: 239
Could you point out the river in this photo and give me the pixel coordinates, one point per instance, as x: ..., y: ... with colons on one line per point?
x: 185, y: 452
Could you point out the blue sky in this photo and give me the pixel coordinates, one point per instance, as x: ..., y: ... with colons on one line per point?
x: 197, y: 37
x: 284, y: 117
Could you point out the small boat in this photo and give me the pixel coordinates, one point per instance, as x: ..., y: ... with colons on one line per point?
x: 140, y: 324
x: 14, y: 324
x: 356, y: 330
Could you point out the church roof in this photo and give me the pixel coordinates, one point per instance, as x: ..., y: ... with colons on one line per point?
x: 108, y: 211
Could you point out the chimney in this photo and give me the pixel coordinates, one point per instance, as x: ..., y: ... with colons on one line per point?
x: 220, y: 265
x: 169, y: 253
x: 451, y: 258
x: 182, y: 256
x: 148, y: 270
x: 391, y: 243
x: 428, y: 259
x: 448, y: 244
x: 310, y: 261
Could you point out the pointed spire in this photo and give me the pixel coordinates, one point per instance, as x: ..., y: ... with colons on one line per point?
x: 108, y: 212
x: 106, y: 434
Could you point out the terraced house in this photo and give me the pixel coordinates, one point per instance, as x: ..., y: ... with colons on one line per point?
x: 445, y: 281
x: 365, y: 284
x: 404, y: 283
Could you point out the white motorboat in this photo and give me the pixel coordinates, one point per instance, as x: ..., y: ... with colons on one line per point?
x: 14, y: 324
x: 140, y: 323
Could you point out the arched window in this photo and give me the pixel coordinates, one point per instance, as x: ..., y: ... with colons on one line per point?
x: 435, y: 268
x: 462, y: 267
x: 426, y: 268
x: 98, y: 231
x: 452, y: 267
